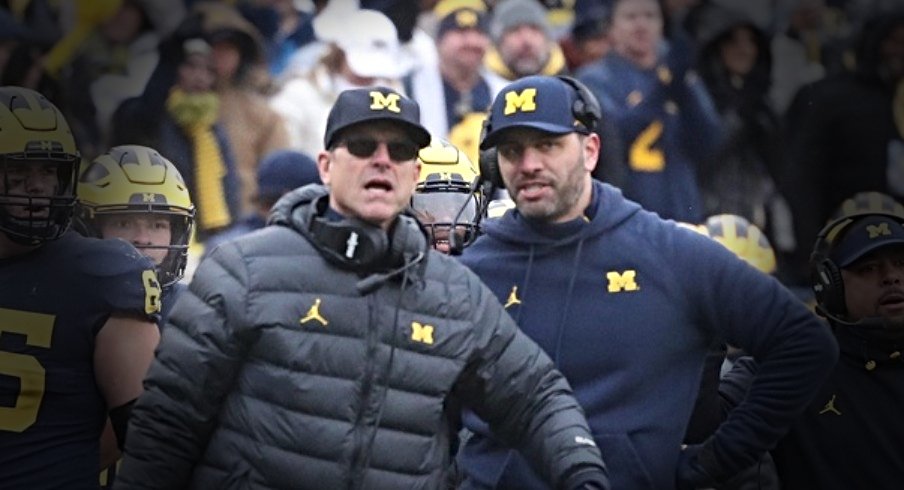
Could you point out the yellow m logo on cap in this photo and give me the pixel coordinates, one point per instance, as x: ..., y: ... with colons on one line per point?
x: 524, y: 101
x: 465, y: 18
x: 622, y: 281
x: 148, y: 197
x: 421, y: 333
x: 875, y: 231
x: 389, y: 102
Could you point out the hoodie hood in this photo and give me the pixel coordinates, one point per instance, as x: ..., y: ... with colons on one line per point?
x: 607, y: 210
x: 714, y: 25
x: 294, y: 208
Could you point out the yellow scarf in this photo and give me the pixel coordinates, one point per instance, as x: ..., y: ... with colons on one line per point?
x: 197, y: 113
x: 554, y: 65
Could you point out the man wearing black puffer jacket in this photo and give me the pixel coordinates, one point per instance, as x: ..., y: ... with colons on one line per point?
x: 334, y: 348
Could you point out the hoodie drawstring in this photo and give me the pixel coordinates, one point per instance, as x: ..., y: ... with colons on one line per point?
x: 530, y: 264
x: 560, y: 329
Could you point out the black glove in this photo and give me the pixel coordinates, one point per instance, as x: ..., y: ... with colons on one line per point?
x: 588, y: 478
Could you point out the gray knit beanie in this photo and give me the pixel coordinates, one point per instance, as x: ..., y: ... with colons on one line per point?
x: 512, y: 13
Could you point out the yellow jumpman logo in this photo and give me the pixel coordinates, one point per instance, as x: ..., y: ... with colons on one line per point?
x: 314, y: 314
x: 512, y: 298
x: 830, y: 407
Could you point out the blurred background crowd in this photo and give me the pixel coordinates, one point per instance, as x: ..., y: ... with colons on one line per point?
x: 789, y: 106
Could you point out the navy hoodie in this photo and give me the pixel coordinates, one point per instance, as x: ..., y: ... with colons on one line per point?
x: 628, y: 304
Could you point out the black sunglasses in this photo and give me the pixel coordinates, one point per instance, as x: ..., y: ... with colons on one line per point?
x: 399, y: 151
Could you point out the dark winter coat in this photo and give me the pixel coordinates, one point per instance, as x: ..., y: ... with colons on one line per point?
x: 276, y: 372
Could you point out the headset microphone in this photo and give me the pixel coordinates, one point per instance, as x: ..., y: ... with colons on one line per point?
x: 868, y: 323
x: 455, y: 246
x: 371, y: 283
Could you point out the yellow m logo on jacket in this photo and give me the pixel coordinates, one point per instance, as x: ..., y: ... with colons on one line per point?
x: 622, y: 281
x: 388, y: 102
x: 524, y: 101
x: 422, y: 333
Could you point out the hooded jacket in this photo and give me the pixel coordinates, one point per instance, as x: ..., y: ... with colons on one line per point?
x: 628, y: 305
x: 275, y: 372
x: 859, y: 406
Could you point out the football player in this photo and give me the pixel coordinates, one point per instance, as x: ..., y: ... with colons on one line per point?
x: 443, y: 197
x: 133, y: 193
x: 77, y: 329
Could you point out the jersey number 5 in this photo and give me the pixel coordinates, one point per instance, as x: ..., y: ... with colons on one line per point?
x: 38, y: 331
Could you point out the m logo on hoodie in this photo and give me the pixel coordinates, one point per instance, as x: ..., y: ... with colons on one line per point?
x: 622, y: 281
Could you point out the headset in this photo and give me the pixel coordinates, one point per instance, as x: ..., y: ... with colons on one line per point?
x: 355, y: 245
x: 585, y: 109
x: 825, y: 274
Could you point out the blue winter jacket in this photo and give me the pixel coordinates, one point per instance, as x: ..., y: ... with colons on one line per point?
x: 628, y: 304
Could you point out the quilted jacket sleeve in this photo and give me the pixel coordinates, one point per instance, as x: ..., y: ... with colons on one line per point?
x: 200, y: 352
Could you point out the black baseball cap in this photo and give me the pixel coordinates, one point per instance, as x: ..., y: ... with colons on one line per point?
x: 375, y: 104
x: 864, y: 235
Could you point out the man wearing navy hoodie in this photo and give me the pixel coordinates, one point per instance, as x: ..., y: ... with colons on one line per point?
x: 628, y: 304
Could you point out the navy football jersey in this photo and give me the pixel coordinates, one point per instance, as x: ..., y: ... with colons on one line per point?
x: 53, y: 301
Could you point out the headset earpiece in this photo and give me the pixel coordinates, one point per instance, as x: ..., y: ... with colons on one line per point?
x: 355, y: 245
x: 828, y: 287
x: 585, y: 109
x: 488, y: 161
x: 825, y: 276
x: 349, y: 244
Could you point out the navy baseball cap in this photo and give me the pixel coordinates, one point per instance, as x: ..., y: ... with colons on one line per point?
x: 539, y: 102
x: 863, y: 235
x: 375, y: 104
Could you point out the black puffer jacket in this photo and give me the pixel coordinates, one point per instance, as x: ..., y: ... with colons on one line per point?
x: 246, y: 392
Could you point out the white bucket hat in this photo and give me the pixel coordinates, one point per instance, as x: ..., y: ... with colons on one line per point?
x: 368, y: 38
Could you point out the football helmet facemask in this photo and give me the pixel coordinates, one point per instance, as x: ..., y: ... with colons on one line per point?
x: 34, y: 137
x: 137, y: 179
x: 444, y: 189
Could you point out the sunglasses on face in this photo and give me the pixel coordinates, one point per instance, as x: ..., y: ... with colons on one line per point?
x: 399, y: 151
